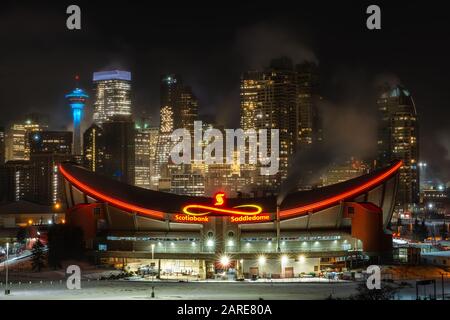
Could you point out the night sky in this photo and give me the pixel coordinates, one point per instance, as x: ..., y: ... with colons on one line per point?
x: 210, y: 43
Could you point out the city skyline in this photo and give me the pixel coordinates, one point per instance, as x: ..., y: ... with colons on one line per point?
x: 153, y: 152
x: 348, y: 73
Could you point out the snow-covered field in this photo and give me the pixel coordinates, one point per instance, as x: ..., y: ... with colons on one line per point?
x: 141, y: 290
x: 119, y: 289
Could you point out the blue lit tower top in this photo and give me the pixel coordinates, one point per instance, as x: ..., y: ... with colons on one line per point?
x: 77, y: 99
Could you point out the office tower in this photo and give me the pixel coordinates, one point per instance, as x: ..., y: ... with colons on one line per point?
x: 398, y: 139
x: 181, y: 100
x: 165, y: 144
x: 19, y: 179
x: 77, y: 99
x: 188, y: 106
x: 309, y: 127
x: 112, y: 95
x: 228, y: 178
x: 2, y: 146
x: 17, y: 137
x: 153, y: 141
x: 142, y: 158
x: 47, y: 150
x: 119, y: 137
x: 269, y: 101
x: 185, y: 182
x: 93, y: 148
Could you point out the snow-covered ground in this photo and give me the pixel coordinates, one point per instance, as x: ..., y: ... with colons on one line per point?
x: 119, y: 289
x: 126, y: 290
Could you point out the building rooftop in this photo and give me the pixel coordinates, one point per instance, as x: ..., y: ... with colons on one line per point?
x: 126, y: 196
x: 112, y: 75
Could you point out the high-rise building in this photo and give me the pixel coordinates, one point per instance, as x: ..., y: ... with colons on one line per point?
x: 164, y: 144
x: 284, y: 97
x: 186, y: 182
x: 93, y: 148
x: 269, y: 101
x: 309, y: 126
x: 119, y: 137
x: 398, y: 139
x: 181, y: 100
x: 2, y: 146
x: 19, y: 176
x: 112, y: 95
x: 142, y: 176
x: 17, y: 137
x: 77, y: 99
x: 49, y: 149
x: 153, y: 141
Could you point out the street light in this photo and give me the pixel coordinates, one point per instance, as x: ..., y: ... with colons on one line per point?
x: 7, y: 291
x: 301, y: 258
x: 224, y: 260
x: 153, y: 270
x: 153, y: 251
x: 262, y: 260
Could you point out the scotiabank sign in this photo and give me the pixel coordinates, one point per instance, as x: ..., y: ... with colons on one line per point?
x: 245, y: 213
x: 190, y: 219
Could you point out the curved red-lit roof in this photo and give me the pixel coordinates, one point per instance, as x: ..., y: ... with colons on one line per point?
x: 155, y: 204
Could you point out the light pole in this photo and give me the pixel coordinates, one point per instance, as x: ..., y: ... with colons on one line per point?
x: 153, y: 251
x: 7, y: 291
x: 153, y: 258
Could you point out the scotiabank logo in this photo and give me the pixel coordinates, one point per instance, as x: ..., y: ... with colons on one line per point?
x: 192, y: 219
x: 241, y: 213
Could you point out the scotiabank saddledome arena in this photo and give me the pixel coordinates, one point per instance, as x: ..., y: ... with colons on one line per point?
x: 328, y: 228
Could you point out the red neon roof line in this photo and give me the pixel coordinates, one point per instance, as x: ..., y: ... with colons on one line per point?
x: 116, y: 202
x: 348, y: 194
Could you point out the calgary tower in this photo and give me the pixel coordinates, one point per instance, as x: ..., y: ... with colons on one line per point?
x: 77, y: 99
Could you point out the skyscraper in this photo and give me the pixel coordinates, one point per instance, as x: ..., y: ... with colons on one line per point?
x: 181, y: 100
x: 142, y: 157
x: 269, y: 101
x: 119, y: 137
x: 47, y: 150
x: 285, y: 97
x: 2, y: 146
x: 164, y: 144
x: 19, y: 180
x: 153, y: 141
x: 112, y: 95
x: 93, y: 148
x: 309, y: 127
x: 77, y: 100
x: 17, y: 137
x: 398, y: 139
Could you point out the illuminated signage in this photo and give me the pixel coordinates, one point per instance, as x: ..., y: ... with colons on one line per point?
x: 250, y: 219
x: 238, y: 214
x: 191, y: 219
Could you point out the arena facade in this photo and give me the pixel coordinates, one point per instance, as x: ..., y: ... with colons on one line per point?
x: 180, y: 236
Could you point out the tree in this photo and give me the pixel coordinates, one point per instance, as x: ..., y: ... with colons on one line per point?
x: 38, y: 256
